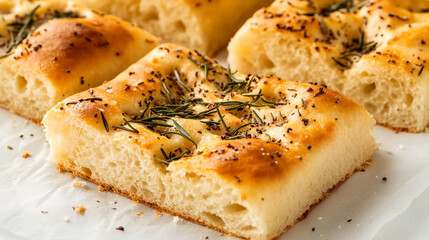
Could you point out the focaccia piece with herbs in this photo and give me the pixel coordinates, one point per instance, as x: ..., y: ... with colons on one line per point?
x: 245, y: 155
x: 53, y: 49
x: 206, y: 25
x: 372, y: 51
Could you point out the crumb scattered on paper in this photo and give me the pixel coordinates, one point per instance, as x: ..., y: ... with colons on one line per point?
x: 79, y: 184
x: 66, y: 219
x: 44, y: 211
x: 176, y: 220
x: 402, y: 147
x: 26, y: 154
x: 80, y: 209
x: 139, y: 213
x: 158, y: 213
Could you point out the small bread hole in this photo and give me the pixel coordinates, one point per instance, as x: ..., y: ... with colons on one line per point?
x: 265, y: 62
x: 21, y: 84
x: 368, y: 88
x: 370, y: 107
x: 214, y: 219
x: 86, y: 171
x: 152, y: 15
x: 409, y: 100
x: 133, y: 190
x: 180, y: 26
x: 235, y: 208
x: 248, y: 228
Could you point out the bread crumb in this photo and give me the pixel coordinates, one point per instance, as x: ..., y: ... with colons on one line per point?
x: 80, y: 209
x: 177, y: 220
x: 71, y: 175
x: 319, y: 218
x: 79, y: 184
x: 402, y: 147
x: 26, y: 154
x: 158, y: 213
x: 120, y: 228
x: 139, y: 213
x: 66, y: 219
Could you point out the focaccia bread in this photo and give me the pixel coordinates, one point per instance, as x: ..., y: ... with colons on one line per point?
x: 58, y: 49
x: 372, y: 51
x: 245, y: 155
x: 206, y: 25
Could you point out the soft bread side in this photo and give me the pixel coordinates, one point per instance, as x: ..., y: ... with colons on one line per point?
x: 203, y: 25
x: 254, y: 182
x: 375, y: 54
x: 65, y: 56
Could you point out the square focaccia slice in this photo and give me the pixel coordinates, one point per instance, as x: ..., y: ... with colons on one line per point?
x: 245, y: 155
x: 53, y: 49
x: 372, y: 51
x: 203, y: 25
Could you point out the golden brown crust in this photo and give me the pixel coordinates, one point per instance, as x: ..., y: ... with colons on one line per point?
x: 105, y: 187
x: 314, y: 113
x: 61, y: 48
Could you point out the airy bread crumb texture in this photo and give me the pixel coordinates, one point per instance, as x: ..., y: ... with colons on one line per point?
x: 386, y: 73
x: 255, y: 187
x: 203, y: 25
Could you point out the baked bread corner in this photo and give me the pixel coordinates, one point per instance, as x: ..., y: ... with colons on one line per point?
x: 372, y: 51
x: 69, y: 48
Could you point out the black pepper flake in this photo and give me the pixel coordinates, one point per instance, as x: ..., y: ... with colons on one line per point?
x: 9, y: 147
x: 349, y: 220
x: 337, y: 100
x: 305, y: 121
x: 238, y: 179
x: 67, y: 70
x: 309, y: 147
x: 288, y: 130
x: 384, y: 179
x: 313, y: 229
x: 234, y: 158
x: 120, y: 228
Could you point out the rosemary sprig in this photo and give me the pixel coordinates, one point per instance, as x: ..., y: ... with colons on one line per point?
x: 169, y: 158
x: 221, y: 118
x: 258, y: 119
x: 24, y: 31
x: 182, y: 132
x: 179, y: 80
x: 204, y: 65
x: 210, y: 122
x: 324, y: 27
x: 167, y: 90
x: 24, y: 28
x: 235, y: 130
x: 106, y: 125
x: 345, y: 4
x: 359, y: 50
x: 130, y: 129
x: 236, y: 137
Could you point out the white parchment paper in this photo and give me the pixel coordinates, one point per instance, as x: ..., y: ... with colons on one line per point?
x: 36, y: 201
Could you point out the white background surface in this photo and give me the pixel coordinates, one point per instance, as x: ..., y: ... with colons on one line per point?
x: 394, y: 209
